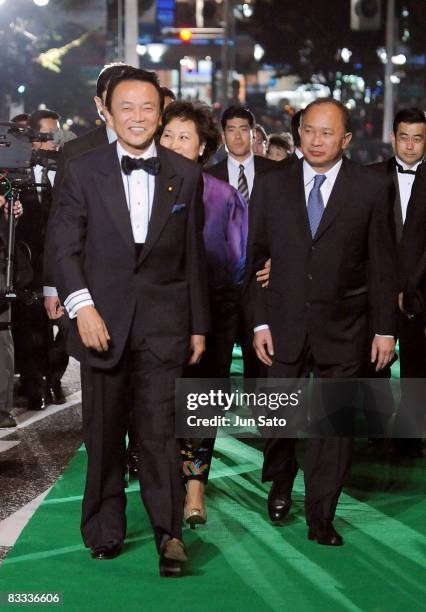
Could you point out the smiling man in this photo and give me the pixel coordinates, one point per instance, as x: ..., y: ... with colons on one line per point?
x: 326, y: 224
x: 130, y: 270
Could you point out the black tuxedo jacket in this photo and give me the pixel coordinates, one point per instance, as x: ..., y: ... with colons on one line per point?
x: 388, y: 168
x: 94, y: 248
x: 71, y: 149
x: 412, y: 255
x: 261, y: 164
x: 323, y: 288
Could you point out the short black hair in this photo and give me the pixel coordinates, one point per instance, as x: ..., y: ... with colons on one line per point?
x: 107, y: 73
x: 168, y: 93
x: 21, y: 118
x: 283, y: 141
x: 408, y: 115
x: 36, y: 116
x: 346, y: 117
x: 259, y: 128
x: 295, y: 125
x: 134, y: 74
x: 202, y: 117
x: 237, y: 111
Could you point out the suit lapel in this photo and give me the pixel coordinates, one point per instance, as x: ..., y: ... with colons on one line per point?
x: 397, y: 208
x: 295, y: 186
x: 167, y: 187
x: 110, y: 185
x: 336, y: 200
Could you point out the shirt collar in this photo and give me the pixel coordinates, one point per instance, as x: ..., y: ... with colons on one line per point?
x: 309, y: 173
x: 404, y: 165
x: 298, y: 152
x: 111, y: 135
x: 247, y: 162
x: 151, y: 151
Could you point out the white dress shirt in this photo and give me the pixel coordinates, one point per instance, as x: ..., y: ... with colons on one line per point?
x: 139, y: 188
x: 234, y: 171
x: 111, y: 135
x: 405, y: 184
x: 38, y: 177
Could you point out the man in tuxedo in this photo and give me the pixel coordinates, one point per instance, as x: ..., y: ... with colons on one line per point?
x: 409, y: 144
x: 240, y: 169
x: 326, y: 224
x: 130, y: 269
x: 412, y: 264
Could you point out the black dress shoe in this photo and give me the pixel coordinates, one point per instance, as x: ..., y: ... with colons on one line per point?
x: 173, y: 556
x: 133, y: 463
x: 279, y: 502
x: 324, y: 533
x: 54, y: 394
x: 35, y: 402
x: 102, y: 553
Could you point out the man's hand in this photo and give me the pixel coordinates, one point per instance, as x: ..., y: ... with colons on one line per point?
x: 262, y: 276
x: 401, y: 306
x: 92, y: 329
x: 263, y: 346
x: 198, y: 346
x: 53, y: 307
x: 382, y: 351
x: 17, y: 208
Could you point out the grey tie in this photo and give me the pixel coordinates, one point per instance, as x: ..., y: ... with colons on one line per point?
x: 316, y: 204
x: 242, y: 184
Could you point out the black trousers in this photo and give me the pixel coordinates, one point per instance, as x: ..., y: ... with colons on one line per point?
x: 410, y: 419
x: 327, y: 459
x: 105, y: 424
x: 40, y: 356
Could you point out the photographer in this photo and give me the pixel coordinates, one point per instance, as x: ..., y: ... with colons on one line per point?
x: 40, y: 356
x: 6, y: 343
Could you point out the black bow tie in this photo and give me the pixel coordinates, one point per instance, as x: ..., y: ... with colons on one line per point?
x: 402, y: 171
x: 150, y: 165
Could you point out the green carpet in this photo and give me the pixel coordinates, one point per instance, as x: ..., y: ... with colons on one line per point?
x: 238, y: 561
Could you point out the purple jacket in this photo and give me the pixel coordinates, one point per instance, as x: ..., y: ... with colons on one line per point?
x: 225, y: 232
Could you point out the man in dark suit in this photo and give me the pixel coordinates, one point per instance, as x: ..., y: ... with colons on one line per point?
x: 409, y: 143
x: 240, y: 169
x: 40, y: 355
x: 326, y: 225
x: 412, y: 265
x: 129, y: 265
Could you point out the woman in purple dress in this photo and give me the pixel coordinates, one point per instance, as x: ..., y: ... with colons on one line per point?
x: 189, y: 129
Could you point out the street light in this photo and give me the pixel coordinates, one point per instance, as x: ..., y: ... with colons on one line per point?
x: 41, y: 2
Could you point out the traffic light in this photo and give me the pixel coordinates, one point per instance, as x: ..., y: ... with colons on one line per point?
x: 185, y: 35
x: 366, y: 15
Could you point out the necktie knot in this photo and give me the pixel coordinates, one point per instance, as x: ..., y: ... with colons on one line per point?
x: 318, y: 180
x: 150, y: 165
x: 241, y: 167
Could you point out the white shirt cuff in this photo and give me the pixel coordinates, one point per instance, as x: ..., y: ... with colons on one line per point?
x: 77, y: 300
x: 50, y: 292
x: 383, y: 336
x: 260, y: 328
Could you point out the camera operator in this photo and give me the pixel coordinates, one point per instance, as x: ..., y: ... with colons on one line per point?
x: 6, y: 343
x: 40, y: 356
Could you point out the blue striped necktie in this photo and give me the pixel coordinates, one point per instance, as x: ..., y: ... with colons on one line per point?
x: 242, y: 184
x: 316, y: 204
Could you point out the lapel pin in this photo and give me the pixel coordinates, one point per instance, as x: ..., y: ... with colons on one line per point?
x: 169, y: 188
